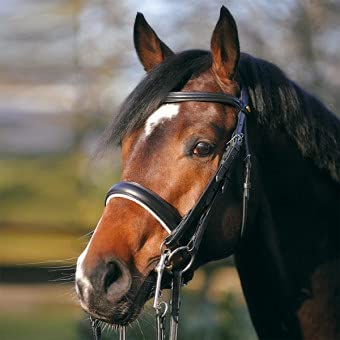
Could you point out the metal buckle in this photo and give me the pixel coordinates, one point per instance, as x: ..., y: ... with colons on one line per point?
x: 160, y: 270
x: 176, y: 251
x: 238, y: 136
x: 161, y: 307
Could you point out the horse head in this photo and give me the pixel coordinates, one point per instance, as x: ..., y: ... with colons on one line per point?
x: 173, y: 150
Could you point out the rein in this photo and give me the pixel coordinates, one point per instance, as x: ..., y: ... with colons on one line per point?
x: 182, y: 242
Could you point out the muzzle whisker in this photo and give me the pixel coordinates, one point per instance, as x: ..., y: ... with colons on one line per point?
x: 59, y: 268
x: 62, y: 261
x: 145, y: 317
x: 89, y: 234
x: 63, y: 280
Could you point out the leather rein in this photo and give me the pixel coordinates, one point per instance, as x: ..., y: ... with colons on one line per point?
x: 183, y: 242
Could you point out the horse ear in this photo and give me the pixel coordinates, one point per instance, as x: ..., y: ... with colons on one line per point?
x: 225, y: 47
x: 150, y: 49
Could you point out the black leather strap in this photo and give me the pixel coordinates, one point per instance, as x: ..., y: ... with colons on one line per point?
x: 219, y: 181
x: 154, y: 202
x: 178, y: 97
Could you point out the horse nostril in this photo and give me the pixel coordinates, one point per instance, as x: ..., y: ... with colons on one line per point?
x: 113, y: 274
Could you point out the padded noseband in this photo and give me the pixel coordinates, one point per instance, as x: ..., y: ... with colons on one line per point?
x: 161, y: 210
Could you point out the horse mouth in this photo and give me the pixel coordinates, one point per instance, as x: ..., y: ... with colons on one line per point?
x: 130, y: 306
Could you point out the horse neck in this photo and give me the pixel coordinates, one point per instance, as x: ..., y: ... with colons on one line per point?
x: 295, y: 236
x: 301, y: 197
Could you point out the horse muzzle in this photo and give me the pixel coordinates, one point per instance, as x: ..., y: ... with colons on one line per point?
x: 103, y: 286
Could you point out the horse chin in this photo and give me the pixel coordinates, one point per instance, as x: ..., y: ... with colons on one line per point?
x: 125, y: 311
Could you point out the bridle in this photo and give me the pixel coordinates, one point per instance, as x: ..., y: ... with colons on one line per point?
x: 180, y: 247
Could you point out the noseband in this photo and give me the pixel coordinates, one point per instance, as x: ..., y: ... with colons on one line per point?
x: 182, y: 239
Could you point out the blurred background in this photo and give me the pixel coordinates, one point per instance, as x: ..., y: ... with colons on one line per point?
x: 65, y: 66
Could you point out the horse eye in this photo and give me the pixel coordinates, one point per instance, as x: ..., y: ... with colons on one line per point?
x: 203, y: 149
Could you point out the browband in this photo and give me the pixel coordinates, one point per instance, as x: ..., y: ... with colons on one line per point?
x: 161, y: 210
x: 222, y: 98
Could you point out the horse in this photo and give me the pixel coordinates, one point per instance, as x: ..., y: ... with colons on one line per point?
x: 288, y: 254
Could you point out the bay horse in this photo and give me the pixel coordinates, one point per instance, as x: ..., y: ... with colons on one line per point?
x: 288, y: 255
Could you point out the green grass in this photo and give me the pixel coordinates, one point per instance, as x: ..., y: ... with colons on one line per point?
x: 54, y: 191
x: 47, y: 203
x: 17, y: 247
x: 49, y: 322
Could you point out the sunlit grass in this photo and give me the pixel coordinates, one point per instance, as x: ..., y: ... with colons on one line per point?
x: 54, y: 191
x: 48, y: 322
x: 18, y: 247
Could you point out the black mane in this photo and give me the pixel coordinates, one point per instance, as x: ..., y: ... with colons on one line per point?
x: 171, y: 75
x: 282, y: 104
x: 278, y: 101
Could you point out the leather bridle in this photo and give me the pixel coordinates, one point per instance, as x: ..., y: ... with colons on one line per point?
x: 182, y: 239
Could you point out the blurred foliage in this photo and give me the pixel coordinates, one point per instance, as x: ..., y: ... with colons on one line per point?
x: 55, y: 191
x: 46, y: 322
